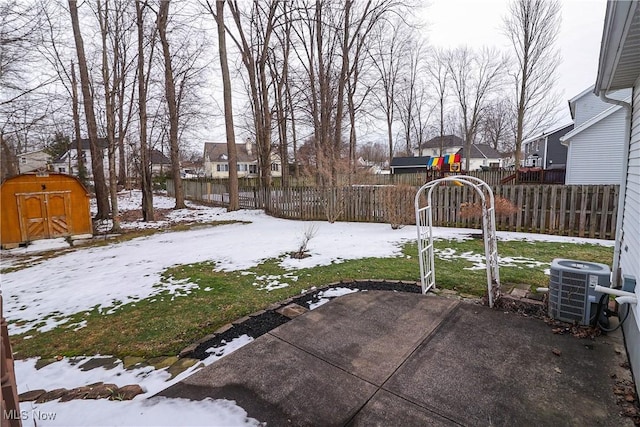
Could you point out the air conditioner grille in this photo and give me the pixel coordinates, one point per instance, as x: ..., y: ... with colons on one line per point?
x: 571, y: 294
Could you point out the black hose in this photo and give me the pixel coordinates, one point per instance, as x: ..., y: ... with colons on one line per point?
x: 619, y: 324
x: 596, y: 319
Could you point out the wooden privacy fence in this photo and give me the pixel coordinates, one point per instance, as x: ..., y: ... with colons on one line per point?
x: 491, y: 177
x: 10, y: 407
x: 570, y: 210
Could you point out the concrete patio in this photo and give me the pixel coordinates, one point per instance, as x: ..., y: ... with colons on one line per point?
x: 393, y: 358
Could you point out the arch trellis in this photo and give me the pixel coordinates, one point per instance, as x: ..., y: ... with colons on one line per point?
x: 424, y: 224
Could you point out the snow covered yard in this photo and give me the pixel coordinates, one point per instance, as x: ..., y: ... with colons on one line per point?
x: 48, y: 291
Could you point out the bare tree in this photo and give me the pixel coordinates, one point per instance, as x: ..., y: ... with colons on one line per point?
x: 102, y: 196
x: 253, y: 43
x: 170, y: 96
x: 145, y: 171
x: 278, y: 63
x: 110, y: 112
x: 498, y: 124
x: 438, y: 73
x: 412, y: 98
x: 218, y: 14
x: 475, y: 77
x: 23, y: 102
x: 533, y: 27
x: 388, y: 55
x: 333, y: 37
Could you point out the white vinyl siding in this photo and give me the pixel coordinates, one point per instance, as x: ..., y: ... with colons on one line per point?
x: 590, y: 105
x: 595, y: 154
x: 630, y: 244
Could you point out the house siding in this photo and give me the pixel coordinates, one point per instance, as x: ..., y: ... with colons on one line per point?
x: 587, y: 162
x: 630, y: 243
x: 590, y: 105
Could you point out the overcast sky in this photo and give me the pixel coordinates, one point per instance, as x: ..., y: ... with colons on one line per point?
x: 451, y: 23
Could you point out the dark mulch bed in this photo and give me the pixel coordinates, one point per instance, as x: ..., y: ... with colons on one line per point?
x: 256, y: 326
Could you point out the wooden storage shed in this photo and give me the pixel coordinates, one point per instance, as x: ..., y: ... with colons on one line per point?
x: 42, y: 206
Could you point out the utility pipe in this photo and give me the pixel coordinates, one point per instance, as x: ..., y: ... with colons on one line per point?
x: 617, y: 251
x: 614, y: 292
x: 627, y: 300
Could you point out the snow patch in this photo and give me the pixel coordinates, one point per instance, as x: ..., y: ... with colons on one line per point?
x: 327, y: 295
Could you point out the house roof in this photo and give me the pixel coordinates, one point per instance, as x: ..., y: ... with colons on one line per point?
x: 448, y: 141
x: 564, y: 140
x: 157, y: 158
x: 409, y: 162
x: 551, y: 132
x: 84, y: 143
x: 217, y: 152
x: 481, y: 151
x: 619, y: 63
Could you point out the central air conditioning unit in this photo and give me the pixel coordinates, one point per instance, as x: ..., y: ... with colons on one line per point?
x: 572, y: 297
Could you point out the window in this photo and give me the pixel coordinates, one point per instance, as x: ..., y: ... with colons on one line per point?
x: 62, y: 170
x: 275, y: 167
x: 222, y: 167
x: 253, y: 168
x: 23, y: 160
x: 242, y: 167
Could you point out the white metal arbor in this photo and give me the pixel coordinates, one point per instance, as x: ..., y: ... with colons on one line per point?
x: 424, y: 221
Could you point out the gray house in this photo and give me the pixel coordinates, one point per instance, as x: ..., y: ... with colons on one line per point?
x: 545, y: 151
x: 597, y: 124
x: 619, y: 68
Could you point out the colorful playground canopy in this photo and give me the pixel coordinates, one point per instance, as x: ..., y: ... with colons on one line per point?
x: 447, y: 159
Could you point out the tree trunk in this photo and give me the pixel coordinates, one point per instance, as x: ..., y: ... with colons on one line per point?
x: 145, y: 171
x: 170, y: 94
x: 234, y: 203
x: 103, y: 16
x: 100, y: 186
x: 82, y: 168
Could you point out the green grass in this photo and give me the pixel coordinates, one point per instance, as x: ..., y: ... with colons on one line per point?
x: 164, y: 324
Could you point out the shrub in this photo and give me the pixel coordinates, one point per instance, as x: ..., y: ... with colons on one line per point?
x: 398, y: 205
x: 504, y: 207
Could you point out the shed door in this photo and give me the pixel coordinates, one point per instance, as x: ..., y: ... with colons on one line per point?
x: 57, y: 211
x: 43, y: 215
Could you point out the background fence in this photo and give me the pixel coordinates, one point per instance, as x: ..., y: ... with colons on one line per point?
x: 572, y: 210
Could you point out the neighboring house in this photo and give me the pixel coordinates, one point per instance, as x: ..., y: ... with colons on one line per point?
x: 216, y: 161
x: 160, y: 164
x: 192, y: 169
x: 545, y: 150
x: 33, y: 161
x: 409, y: 164
x: 619, y: 68
x: 451, y: 144
x: 597, y: 125
x: 68, y: 162
x: 369, y: 166
x: 483, y: 156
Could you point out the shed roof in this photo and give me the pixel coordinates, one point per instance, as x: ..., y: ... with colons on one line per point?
x: 409, y: 162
